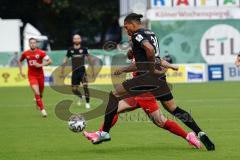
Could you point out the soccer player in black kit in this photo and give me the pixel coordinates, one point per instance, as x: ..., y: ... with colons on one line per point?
x: 150, y: 79
x: 78, y: 54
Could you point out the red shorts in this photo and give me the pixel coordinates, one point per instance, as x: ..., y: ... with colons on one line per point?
x: 37, y: 80
x: 146, y: 101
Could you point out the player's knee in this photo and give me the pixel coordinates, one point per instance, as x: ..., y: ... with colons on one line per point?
x: 36, y: 92
x: 160, y: 124
x: 114, y: 93
x: 170, y: 106
x: 74, y: 90
x: 159, y: 121
x: 119, y: 91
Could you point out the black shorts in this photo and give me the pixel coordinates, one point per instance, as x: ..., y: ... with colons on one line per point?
x: 166, y: 97
x: 155, y: 84
x: 78, y: 77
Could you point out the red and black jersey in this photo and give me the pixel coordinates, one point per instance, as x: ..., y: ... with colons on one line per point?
x: 138, y: 38
x: 78, y: 57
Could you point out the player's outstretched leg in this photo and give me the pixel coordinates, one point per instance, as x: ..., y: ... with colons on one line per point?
x: 162, y: 122
x: 110, y: 112
x: 187, y: 119
x: 124, y: 105
x: 93, y: 135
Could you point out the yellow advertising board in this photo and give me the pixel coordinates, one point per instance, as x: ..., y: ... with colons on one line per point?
x: 11, y: 77
x: 179, y: 76
x: 103, y: 77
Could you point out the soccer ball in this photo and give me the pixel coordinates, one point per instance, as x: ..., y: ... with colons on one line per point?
x: 76, y: 123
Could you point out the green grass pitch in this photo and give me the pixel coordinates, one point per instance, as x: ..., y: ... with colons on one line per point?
x: 24, y: 135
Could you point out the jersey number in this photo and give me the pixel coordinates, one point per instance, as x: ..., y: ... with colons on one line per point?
x: 156, y: 46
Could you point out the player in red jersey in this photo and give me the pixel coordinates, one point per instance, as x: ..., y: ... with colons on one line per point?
x: 148, y: 103
x: 35, y: 57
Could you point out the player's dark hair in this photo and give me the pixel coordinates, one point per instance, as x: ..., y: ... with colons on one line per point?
x: 32, y: 39
x: 133, y: 17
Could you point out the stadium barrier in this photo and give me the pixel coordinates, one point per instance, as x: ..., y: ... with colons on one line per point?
x: 12, y: 77
x: 9, y: 59
x: 187, y: 73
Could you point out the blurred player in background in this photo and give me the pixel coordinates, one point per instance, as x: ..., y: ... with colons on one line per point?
x: 237, y: 62
x: 35, y: 57
x: 14, y: 61
x: 78, y: 54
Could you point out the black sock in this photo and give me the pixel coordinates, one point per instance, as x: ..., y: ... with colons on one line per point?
x: 77, y: 93
x: 110, y: 112
x: 86, y: 91
x: 187, y: 119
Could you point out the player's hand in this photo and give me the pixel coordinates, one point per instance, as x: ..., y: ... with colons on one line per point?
x: 118, y: 72
x: 38, y: 65
x: 175, y: 67
x: 237, y: 62
x: 159, y: 72
x: 130, y: 54
x: 62, y: 75
x: 164, y: 70
x: 23, y: 75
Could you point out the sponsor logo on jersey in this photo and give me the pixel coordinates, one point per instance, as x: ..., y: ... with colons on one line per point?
x: 139, y: 38
x: 77, y: 55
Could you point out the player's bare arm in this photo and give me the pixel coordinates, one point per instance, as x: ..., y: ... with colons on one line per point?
x: 150, y: 52
x: 65, y: 60
x: 167, y: 65
x: 20, y: 69
x: 47, y: 61
x: 131, y: 68
x: 91, y: 61
x: 130, y: 54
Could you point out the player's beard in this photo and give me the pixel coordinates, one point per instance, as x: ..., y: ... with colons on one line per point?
x: 33, y: 48
x: 77, y: 44
x: 130, y: 33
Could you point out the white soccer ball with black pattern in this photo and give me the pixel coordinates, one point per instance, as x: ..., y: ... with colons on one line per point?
x: 76, y: 123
